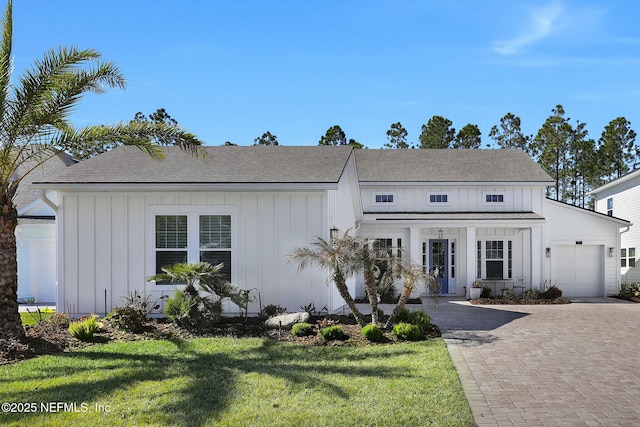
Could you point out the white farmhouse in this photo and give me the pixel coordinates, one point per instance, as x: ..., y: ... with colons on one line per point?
x: 470, y: 214
x: 621, y: 198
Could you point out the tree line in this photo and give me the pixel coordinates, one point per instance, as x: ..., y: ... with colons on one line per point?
x: 576, y: 162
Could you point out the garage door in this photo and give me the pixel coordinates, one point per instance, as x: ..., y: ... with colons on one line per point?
x: 579, y: 270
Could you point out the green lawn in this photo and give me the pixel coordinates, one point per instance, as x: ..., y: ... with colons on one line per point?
x: 237, y: 382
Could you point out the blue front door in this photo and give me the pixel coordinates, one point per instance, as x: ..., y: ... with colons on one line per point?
x: 438, y: 254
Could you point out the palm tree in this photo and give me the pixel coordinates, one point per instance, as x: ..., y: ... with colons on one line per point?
x: 209, y: 279
x: 35, y: 126
x: 412, y: 274
x: 340, y: 257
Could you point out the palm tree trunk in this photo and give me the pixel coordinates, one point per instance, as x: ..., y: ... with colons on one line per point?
x: 343, y: 290
x: 372, y: 293
x: 10, y: 323
x: 407, y: 288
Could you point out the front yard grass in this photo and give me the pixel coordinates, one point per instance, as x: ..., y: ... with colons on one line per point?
x: 232, y: 382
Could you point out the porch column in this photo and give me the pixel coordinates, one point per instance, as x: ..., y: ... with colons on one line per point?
x: 537, y: 253
x: 414, y: 245
x: 471, y: 259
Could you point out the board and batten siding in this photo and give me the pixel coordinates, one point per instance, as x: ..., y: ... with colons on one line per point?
x: 570, y: 226
x: 626, y: 205
x: 108, y: 245
x: 460, y: 198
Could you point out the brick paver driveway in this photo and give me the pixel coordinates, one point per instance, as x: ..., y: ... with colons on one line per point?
x: 546, y: 365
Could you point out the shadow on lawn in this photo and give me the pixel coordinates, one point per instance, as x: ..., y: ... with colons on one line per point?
x: 211, y: 375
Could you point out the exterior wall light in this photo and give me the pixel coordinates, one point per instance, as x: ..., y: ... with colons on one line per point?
x: 440, y: 234
x: 547, y: 252
x: 333, y: 234
x: 612, y: 252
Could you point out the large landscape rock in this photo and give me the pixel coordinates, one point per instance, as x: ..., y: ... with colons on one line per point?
x: 287, y: 320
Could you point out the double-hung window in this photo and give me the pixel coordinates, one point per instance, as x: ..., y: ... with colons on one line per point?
x: 171, y: 240
x: 628, y: 257
x: 193, y: 237
x: 610, y: 206
x: 496, y: 261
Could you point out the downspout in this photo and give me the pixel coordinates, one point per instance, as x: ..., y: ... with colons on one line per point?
x: 48, y: 202
x: 54, y: 207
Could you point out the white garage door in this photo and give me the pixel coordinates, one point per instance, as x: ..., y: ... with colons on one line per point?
x: 579, y: 269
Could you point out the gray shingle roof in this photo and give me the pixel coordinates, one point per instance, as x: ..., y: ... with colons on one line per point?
x: 25, y: 195
x: 224, y: 164
x: 309, y: 164
x: 448, y: 165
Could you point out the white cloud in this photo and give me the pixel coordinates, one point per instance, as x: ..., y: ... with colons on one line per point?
x: 543, y: 21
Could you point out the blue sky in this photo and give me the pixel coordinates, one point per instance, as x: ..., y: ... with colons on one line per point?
x: 232, y: 70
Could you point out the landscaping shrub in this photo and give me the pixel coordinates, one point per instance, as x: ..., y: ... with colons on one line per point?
x: 331, y: 333
x: 406, y: 332
x: 59, y: 321
x: 507, y: 293
x: 421, y: 320
x: 532, y: 294
x: 136, y: 310
x: 302, y: 329
x: 404, y: 315
x: 552, y: 293
x: 182, y: 308
x: 630, y: 290
x: 372, y: 333
x: 272, y: 310
x: 84, y: 329
x: 486, y: 292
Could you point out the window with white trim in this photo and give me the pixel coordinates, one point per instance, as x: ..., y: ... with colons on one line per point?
x: 496, y: 261
x: 494, y: 198
x: 439, y: 198
x: 628, y: 257
x: 384, y: 199
x: 193, y: 238
x: 610, y: 206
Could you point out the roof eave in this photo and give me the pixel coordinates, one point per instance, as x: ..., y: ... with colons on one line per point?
x: 456, y: 183
x: 184, y: 186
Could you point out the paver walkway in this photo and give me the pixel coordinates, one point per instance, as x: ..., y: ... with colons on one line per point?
x: 546, y: 365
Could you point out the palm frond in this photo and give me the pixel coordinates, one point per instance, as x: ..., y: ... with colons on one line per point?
x: 6, y: 62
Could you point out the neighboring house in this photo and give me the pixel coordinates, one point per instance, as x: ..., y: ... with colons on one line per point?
x: 35, y: 234
x: 470, y: 214
x: 621, y: 198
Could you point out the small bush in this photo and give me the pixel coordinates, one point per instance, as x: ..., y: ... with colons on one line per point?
x: 406, y: 332
x: 59, y: 321
x: 272, y: 310
x: 486, y: 292
x: 134, y: 313
x: 302, y: 329
x: 331, y: 333
x: 372, y: 333
x: 552, y: 293
x: 421, y: 320
x: 532, y: 294
x: 404, y: 315
x: 182, y: 309
x: 507, y: 293
x: 84, y: 329
x: 127, y: 319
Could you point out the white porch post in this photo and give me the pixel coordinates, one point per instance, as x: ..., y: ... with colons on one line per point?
x: 414, y: 245
x: 537, y: 253
x: 471, y: 258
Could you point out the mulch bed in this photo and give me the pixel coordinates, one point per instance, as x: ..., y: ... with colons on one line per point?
x: 46, y: 338
x: 626, y: 298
